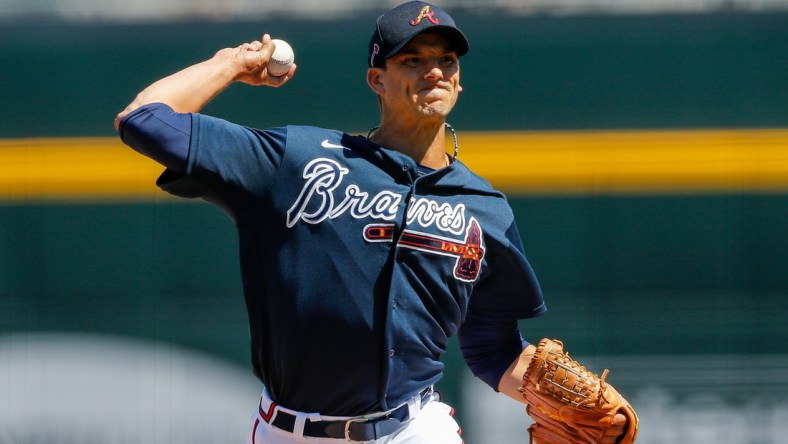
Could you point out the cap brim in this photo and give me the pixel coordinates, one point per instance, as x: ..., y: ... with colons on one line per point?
x: 454, y: 35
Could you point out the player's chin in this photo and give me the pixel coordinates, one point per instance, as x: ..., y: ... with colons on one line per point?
x: 435, y: 111
x: 437, y: 108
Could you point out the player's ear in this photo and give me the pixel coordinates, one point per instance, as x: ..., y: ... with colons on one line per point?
x: 374, y: 80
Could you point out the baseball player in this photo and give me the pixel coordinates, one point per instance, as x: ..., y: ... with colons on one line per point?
x: 361, y: 255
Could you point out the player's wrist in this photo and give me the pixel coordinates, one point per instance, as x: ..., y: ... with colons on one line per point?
x: 223, y: 67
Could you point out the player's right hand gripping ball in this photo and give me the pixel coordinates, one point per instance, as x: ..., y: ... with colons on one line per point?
x: 569, y: 404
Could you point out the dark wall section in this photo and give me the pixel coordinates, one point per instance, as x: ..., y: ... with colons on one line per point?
x: 669, y: 71
x: 621, y: 275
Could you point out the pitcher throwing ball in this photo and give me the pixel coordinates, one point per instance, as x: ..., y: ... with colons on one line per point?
x: 361, y: 255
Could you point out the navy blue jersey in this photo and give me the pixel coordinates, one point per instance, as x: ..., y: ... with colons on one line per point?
x: 356, y: 269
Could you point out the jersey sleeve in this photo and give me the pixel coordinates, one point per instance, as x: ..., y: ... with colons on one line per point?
x: 489, y: 337
x: 156, y: 131
x: 489, y: 346
x: 226, y: 162
x: 510, y: 289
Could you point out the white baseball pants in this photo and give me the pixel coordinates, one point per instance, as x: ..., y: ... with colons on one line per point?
x: 432, y: 423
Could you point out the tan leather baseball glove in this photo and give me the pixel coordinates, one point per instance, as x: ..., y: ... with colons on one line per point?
x: 569, y: 404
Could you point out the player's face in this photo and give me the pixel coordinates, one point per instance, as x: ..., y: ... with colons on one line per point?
x: 423, y: 78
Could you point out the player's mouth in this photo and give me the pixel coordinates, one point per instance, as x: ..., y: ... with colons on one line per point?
x: 434, y: 86
x: 433, y: 89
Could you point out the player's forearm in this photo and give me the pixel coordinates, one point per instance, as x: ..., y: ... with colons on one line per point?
x: 512, y: 379
x: 190, y: 89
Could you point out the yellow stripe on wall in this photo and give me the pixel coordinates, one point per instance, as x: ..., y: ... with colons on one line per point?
x: 74, y: 168
x: 595, y: 162
x: 631, y: 161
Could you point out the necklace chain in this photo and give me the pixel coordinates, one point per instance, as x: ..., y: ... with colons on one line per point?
x: 453, y: 135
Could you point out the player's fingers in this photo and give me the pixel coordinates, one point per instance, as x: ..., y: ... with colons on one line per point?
x: 254, y: 57
x: 617, y: 428
x: 255, y: 46
x: 619, y: 421
x: 252, y: 61
x: 277, y: 81
x: 265, y: 48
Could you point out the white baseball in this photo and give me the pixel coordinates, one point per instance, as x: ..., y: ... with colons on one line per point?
x: 282, y: 59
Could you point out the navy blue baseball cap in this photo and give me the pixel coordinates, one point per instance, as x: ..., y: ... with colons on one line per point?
x: 396, y: 28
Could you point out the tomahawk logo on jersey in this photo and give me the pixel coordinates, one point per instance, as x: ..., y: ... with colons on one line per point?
x: 468, y: 251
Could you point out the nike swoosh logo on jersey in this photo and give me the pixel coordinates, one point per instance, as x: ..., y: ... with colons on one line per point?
x: 329, y: 145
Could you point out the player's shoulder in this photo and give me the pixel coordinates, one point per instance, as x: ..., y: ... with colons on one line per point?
x: 316, y: 132
x: 323, y: 138
x: 311, y: 131
x: 474, y: 181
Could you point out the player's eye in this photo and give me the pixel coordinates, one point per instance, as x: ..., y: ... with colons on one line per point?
x: 411, y: 61
x: 448, y: 60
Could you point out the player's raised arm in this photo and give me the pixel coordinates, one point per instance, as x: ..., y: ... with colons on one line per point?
x: 190, y: 89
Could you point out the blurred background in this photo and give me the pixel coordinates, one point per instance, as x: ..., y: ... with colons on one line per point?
x: 643, y: 146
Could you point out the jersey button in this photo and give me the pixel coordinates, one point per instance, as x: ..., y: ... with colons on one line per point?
x: 405, y: 168
x: 394, y: 305
x: 391, y: 352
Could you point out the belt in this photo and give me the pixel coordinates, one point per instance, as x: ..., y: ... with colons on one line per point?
x: 354, y: 429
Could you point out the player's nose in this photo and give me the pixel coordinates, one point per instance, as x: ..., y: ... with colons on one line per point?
x: 434, y: 71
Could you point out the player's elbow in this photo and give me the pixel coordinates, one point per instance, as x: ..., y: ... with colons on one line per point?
x: 136, y: 103
x: 122, y: 114
x: 118, y: 118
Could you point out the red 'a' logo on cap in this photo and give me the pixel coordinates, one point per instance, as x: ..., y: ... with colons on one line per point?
x: 426, y: 13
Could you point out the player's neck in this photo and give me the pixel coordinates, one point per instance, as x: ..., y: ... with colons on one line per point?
x: 425, y: 142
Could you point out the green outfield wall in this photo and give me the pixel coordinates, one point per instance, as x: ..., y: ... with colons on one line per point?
x: 621, y: 275
x: 537, y: 72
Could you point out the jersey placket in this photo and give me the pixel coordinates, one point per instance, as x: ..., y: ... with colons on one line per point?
x: 405, y: 173
x: 408, y: 326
